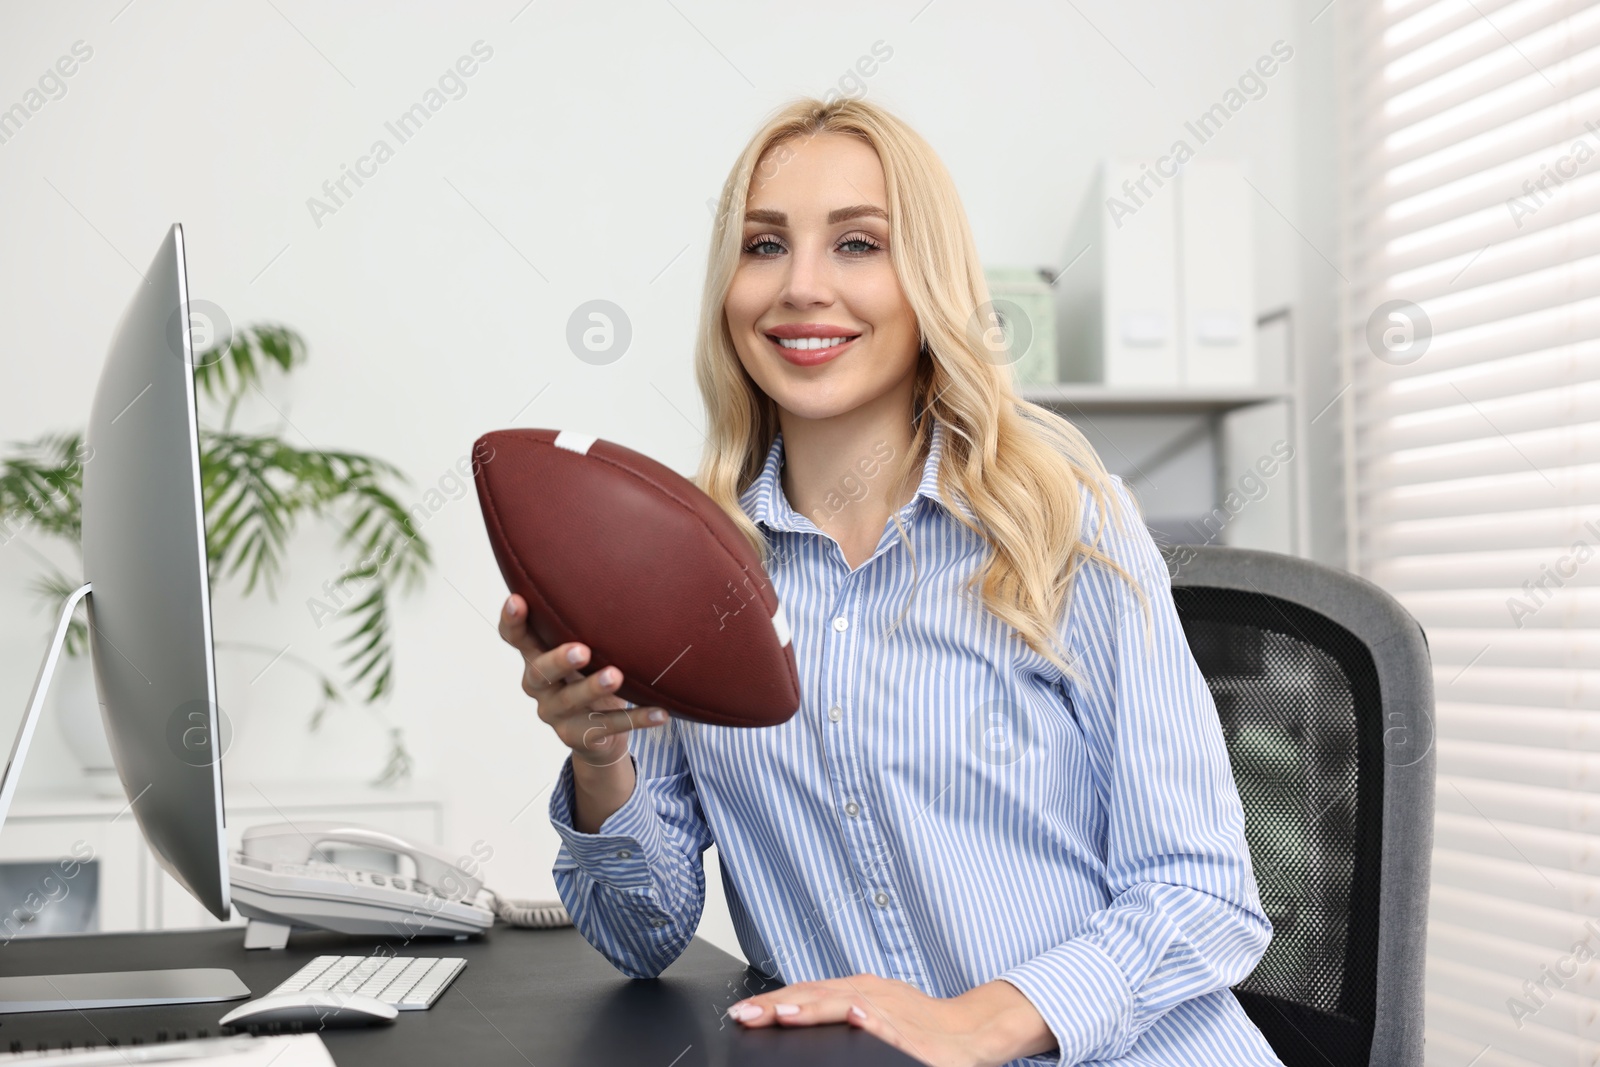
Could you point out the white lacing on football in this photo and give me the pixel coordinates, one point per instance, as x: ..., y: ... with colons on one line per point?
x: 575, y: 442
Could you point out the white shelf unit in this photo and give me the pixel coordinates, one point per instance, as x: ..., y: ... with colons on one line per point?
x: 136, y: 894
x: 1241, y: 423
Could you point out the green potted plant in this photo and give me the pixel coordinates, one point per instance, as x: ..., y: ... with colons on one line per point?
x: 256, y: 488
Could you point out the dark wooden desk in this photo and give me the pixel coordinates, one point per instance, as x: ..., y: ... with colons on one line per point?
x: 527, y: 997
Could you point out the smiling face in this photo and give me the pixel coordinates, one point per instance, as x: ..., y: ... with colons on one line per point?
x: 815, y: 308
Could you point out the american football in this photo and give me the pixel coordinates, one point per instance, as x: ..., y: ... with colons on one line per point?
x: 613, y: 549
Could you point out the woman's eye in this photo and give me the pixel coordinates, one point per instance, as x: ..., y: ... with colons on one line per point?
x: 860, y: 239
x: 759, y: 242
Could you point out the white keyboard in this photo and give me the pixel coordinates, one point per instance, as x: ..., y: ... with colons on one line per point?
x: 409, y: 983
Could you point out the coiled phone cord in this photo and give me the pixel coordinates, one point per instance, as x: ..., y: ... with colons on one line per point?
x: 537, y: 914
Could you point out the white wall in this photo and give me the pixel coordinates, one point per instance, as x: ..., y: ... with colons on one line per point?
x: 587, y: 146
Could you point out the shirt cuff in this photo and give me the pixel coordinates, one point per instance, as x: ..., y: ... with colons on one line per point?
x: 1081, y: 994
x: 621, y: 852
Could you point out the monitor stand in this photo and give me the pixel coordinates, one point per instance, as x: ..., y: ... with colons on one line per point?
x: 107, y: 989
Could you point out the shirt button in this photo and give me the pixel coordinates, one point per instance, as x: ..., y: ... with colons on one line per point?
x: 882, y: 900
x: 623, y: 854
x: 852, y: 809
x: 841, y: 624
x: 658, y: 923
x: 835, y: 713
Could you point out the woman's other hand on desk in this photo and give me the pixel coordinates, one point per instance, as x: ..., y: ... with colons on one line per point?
x: 983, y: 1027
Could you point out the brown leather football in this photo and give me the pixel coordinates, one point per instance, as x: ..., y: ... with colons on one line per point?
x: 610, y: 548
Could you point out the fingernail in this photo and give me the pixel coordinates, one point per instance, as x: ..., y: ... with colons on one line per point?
x: 857, y: 1013
x: 744, y: 1012
x: 787, y: 1010
x: 608, y: 676
x: 511, y: 609
x: 575, y: 654
x: 657, y: 716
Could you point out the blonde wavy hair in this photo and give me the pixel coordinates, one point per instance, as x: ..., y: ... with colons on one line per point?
x: 1018, y: 465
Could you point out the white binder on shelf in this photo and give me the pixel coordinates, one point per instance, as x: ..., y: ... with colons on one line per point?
x: 1216, y: 287
x: 1158, y: 283
x: 1116, y: 299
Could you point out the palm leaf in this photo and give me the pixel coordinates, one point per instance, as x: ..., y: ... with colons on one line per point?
x: 227, y: 373
x: 252, y: 502
x: 40, y: 485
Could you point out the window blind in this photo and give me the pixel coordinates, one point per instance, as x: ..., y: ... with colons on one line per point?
x: 1472, y: 255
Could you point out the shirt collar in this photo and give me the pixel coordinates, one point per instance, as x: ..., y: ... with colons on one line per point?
x: 765, y: 503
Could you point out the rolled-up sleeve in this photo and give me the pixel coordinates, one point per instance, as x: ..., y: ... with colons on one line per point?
x: 1184, y: 917
x: 635, y: 888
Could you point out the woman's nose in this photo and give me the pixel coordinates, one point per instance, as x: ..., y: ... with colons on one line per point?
x: 807, y: 282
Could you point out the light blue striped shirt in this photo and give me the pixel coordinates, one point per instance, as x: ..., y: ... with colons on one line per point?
x: 947, y: 808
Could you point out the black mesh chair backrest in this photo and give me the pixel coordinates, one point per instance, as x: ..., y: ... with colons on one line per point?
x: 1321, y: 684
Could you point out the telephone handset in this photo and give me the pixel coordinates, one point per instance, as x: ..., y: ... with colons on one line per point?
x: 282, y: 878
x: 305, y: 841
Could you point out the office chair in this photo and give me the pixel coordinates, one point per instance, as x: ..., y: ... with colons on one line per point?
x: 1324, y: 687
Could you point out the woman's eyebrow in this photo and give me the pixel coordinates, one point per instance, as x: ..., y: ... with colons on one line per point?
x: 769, y: 217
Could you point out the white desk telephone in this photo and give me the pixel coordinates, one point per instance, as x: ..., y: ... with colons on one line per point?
x: 282, y: 879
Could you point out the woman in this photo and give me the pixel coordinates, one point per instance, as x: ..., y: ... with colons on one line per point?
x: 1002, y: 823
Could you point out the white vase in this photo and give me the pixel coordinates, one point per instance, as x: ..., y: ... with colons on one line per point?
x: 75, y: 706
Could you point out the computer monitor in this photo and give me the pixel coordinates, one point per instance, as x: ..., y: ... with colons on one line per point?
x: 149, y: 608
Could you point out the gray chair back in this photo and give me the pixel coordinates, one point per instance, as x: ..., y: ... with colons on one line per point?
x: 1324, y: 687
